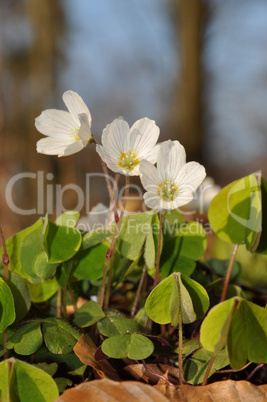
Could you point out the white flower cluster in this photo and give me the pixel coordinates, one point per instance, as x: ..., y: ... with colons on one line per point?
x: 128, y: 151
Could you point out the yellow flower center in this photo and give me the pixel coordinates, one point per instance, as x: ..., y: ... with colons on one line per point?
x: 75, y: 134
x: 128, y: 160
x: 167, y: 190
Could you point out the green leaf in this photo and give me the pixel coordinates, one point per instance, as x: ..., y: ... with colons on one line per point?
x: 50, y: 369
x: 189, y: 346
x: 7, y: 308
x: 42, y: 268
x: 95, y: 237
x: 63, y: 383
x: 150, y: 251
x: 68, y: 219
x: 247, y: 336
x: 171, y: 220
x: 89, y: 264
x: 262, y: 246
x: 14, y: 245
x: 196, y: 366
x: 21, y: 294
x: 28, y: 383
x: 133, y: 346
x: 4, y: 383
x: 198, y: 294
x: 235, y: 212
x: 162, y: 304
x: 60, y: 243
x: 193, y: 239
x: 242, y: 326
x: 180, y: 252
x: 27, y: 339
x: 157, y: 305
x: 59, y: 336
x: 215, y: 327
x: 134, y: 231
x: 220, y: 267
x: 88, y: 314
x: 31, y: 246
x: 42, y: 290
x: 151, y: 243
x: 111, y: 326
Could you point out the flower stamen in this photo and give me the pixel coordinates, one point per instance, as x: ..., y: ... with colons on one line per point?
x: 167, y: 190
x: 128, y: 160
x: 75, y: 134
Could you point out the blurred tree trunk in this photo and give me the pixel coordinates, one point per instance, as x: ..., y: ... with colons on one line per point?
x: 186, y: 115
x: 28, y: 74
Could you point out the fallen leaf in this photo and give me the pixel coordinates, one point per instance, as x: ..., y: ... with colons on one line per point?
x: 147, y: 374
x: 85, y: 349
x: 110, y: 391
x: 222, y: 391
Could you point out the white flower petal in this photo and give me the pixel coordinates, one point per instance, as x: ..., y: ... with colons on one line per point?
x: 115, y: 137
x: 55, y: 123
x: 152, y: 155
x: 85, y: 129
x: 52, y: 146
x: 191, y: 176
x: 76, y: 106
x: 143, y: 136
x: 72, y: 148
x: 109, y: 159
x: 171, y: 159
x: 153, y: 201
x: 149, y: 176
x: 183, y: 198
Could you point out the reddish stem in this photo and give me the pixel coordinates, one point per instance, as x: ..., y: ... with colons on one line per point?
x: 228, y: 273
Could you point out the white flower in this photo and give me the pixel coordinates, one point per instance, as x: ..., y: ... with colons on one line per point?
x: 124, y: 148
x: 204, y: 195
x: 67, y: 132
x: 172, y: 183
x: 97, y: 218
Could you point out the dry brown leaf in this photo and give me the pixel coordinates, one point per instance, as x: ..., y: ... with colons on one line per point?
x: 85, y: 349
x: 110, y: 391
x: 139, y: 372
x: 223, y: 391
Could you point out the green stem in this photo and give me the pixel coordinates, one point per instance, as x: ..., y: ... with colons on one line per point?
x: 157, y: 273
x: 138, y: 292
x: 112, y: 246
x: 228, y: 273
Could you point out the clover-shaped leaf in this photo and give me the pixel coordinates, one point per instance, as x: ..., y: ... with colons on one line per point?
x: 241, y: 326
x: 133, y: 346
x: 176, y: 294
